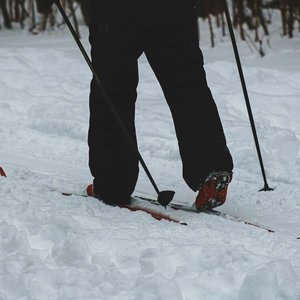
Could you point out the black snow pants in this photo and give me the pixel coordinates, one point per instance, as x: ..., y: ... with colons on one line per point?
x: 166, y: 31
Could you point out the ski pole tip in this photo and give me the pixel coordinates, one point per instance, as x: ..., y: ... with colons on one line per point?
x: 266, y: 188
x: 165, y: 197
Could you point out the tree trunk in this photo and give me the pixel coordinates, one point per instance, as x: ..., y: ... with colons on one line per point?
x: 84, y: 11
x: 283, y: 18
x: 6, y: 17
x: 212, y: 40
x: 291, y: 19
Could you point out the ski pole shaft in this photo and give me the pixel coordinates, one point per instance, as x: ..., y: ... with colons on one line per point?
x: 247, y: 100
x: 164, y: 197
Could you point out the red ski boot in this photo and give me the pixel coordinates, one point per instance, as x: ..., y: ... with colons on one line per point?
x: 213, y: 191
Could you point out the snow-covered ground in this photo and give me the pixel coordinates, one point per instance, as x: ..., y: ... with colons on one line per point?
x: 57, y: 247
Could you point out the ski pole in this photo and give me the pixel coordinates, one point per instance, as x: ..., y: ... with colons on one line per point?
x: 164, y: 197
x: 242, y: 79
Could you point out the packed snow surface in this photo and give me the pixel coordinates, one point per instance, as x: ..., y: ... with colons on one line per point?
x: 57, y: 247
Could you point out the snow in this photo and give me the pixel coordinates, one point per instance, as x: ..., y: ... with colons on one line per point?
x: 57, y: 247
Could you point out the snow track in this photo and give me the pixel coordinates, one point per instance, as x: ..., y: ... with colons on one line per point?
x: 56, y: 247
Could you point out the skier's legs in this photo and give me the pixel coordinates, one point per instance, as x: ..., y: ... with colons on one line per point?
x: 174, y: 54
x: 114, y: 56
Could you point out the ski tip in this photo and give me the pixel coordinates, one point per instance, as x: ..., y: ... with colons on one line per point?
x: 2, y: 173
x: 165, y: 197
x: 90, y: 190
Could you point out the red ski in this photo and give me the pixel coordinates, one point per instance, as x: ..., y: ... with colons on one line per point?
x: 137, y: 204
